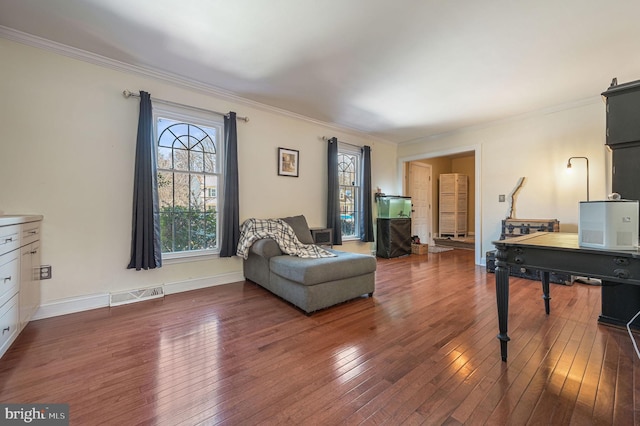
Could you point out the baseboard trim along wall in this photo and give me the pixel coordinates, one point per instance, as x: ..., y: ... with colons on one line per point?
x: 71, y: 305
x: 101, y: 300
x: 198, y: 283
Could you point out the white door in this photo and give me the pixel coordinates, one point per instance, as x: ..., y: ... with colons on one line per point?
x: 420, y: 193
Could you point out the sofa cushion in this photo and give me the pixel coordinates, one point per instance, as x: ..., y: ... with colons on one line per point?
x: 266, y: 248
x: 300, y: 227
x: 315, y: 271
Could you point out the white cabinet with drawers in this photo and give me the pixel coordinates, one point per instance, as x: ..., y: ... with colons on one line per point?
x: 19, y: 275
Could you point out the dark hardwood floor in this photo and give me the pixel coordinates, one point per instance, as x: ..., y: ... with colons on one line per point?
x: 422, y: 350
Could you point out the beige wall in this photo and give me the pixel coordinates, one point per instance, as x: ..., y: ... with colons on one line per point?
x: 535, y: 146
x: 67, y: 150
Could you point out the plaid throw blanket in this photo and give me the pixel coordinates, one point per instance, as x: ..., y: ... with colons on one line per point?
x: 280, y: 231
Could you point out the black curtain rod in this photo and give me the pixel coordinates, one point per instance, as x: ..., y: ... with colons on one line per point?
x: 128, y: 94
x: 324, y: 138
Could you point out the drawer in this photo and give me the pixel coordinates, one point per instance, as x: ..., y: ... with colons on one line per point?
x: 8, y: 323
x: 30, y: 232
x: 9, y: 275
x: 9, y: 238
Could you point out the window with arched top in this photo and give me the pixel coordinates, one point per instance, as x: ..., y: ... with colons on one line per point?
x: 189, y: 183
x: 349, y: 185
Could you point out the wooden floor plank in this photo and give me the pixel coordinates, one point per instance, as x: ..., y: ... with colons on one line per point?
x: 422, y: 350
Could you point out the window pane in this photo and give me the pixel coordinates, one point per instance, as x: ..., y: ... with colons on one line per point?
x: 210, y: 163
x: 164, y: 158
x: 196, y: 189
x: 196, y: 134
x: 349, y: 189
x: 165, y: 138
x: 188, y: 195
x: 181, y: 159
x: 196, y: 159
x: 181, y: 193
x: 211, y: 191
x: 165, y: 190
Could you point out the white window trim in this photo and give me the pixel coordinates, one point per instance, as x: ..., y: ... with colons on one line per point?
x: 196, y: 117
x: 353, y: 150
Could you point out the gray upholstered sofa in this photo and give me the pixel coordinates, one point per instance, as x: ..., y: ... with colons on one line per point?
x: 309, y: 284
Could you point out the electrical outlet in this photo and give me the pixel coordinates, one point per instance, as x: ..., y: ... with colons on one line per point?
x: 45, y: 272
x: 501, y: 198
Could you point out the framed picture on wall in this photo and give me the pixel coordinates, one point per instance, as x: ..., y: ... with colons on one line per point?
x: 288, y: 162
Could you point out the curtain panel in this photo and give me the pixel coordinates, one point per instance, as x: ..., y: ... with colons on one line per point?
x: 366, y: 210
x: 146, y: 252
x: 230, y: 227
x: 333, y: 192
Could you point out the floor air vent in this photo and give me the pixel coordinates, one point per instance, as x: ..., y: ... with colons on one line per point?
x: 132, y: 296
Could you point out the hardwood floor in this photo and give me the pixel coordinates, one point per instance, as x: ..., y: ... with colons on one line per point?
x: 422, y: 350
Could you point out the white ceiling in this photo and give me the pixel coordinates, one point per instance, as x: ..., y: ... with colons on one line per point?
x: 397, y: 69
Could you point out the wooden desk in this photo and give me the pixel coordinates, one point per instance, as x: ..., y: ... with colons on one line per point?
x: 557, y: 252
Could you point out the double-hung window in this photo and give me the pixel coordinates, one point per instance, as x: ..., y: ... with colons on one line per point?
x: 349, y: 184
x: 189, y: 181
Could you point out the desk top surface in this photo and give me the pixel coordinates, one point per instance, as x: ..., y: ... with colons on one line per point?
x: 559, y: 241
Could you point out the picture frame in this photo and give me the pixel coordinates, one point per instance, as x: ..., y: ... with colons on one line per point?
x: 288, y: 162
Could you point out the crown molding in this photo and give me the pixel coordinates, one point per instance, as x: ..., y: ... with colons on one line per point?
x: 174, y: 79
x: 591, y: 100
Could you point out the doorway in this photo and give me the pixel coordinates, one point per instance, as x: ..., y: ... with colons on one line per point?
x: 464, y: 161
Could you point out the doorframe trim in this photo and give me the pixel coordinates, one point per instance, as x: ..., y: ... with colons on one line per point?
x: 477, y: 151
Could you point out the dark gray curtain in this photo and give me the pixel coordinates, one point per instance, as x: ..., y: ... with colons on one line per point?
x: 230, y: 227
x: 146, y: 252
x: 366, y: 213
x: 333, y: 192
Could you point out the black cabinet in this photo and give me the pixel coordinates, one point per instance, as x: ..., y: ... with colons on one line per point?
x: 623, y: 114
x: 394, y: 237
x: 620, y: 302
x: 626, y: 171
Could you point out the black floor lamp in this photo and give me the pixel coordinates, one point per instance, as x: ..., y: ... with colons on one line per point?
x: 587, y: 160
x: 584, y: 280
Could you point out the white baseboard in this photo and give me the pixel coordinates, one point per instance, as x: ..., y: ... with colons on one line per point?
x: 71, y: 305
x: 198, y: 283
x: 101, y: 300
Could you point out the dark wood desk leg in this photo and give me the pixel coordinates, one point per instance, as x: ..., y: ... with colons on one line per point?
x: 545, y: 290
x: 502, y: 296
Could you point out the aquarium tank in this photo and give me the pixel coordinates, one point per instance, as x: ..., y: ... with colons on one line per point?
x: 394, y: 207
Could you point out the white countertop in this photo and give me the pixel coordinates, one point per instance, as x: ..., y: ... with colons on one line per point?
x: 14, y: 219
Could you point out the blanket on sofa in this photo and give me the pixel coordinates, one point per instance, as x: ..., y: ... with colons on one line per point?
x: 279, y: 231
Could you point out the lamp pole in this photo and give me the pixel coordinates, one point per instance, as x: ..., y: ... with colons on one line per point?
x: 587, y: 160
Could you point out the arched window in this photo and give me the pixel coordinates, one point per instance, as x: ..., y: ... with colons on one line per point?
x: 189, y: 183
x: 348, y: 180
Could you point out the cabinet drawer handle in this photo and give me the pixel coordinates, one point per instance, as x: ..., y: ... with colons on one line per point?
x: 4, y: 330
x: 33, y: 251
x: 33, y: 232
x: 621, y: 273
x: 8, y: 240
x: 5, y: 279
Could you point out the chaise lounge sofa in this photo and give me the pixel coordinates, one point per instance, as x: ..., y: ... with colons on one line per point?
x: 309, y: 283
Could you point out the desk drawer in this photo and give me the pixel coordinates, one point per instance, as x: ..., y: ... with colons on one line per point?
x: 8, y: 323
x: 30, y: 232
x: 9, y: 275
x: 9, y: 238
